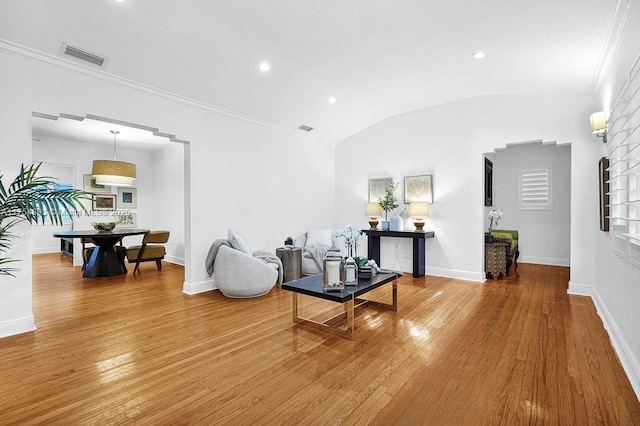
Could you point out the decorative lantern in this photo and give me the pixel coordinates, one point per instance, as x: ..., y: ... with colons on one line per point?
x: 350, y: 272
x: 332, y: 276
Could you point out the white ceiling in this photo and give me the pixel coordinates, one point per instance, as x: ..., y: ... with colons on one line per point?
x: 379, y: 58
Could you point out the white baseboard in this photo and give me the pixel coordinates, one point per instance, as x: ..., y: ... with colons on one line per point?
x: 201, y: 287
x: 174, y: 259
x: 550, y: 261
x: 17, y: 326
x: 44, y: 250
x: 454, y: 273
x: 625, y: 355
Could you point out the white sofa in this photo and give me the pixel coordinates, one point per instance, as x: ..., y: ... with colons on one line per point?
x: 309, y: 265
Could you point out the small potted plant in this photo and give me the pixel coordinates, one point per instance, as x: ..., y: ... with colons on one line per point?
x: 388, y: 202
x: 288, y: 241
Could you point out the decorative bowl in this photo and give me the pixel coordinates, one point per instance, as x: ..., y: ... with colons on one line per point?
x: 103, y: 226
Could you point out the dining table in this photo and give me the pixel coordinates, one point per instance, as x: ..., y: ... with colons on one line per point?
x: 104, y: 261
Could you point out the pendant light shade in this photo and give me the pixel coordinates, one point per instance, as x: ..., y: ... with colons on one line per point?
x: 114, y: 172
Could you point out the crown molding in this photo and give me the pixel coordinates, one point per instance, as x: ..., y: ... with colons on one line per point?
x: 614, y: 33
x: 46, y: 58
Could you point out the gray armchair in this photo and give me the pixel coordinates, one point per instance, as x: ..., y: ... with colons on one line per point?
x: 312, y: 256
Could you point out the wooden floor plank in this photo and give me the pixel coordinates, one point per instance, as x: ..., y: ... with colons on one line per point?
x: 135, y: 350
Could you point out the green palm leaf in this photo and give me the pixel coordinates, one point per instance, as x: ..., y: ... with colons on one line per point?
x: 32, y: 198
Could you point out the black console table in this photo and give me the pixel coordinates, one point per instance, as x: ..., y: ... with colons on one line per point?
x: 419, y: 251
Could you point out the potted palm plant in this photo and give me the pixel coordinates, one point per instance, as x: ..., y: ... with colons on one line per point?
x: 388, y: 202
x: 32, y: 198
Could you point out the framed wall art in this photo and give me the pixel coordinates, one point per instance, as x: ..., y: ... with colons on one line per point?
x: 417, y: 189
x: 603, y: 165
x: 488, y: 182
x: 89, y: 184
x: 377, y: 187
x: 125, y: 219
x: 104, y: 202
x: 127, y: 198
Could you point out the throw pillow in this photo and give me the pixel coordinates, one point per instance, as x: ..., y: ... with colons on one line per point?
x: 318, y: 237
x: 238, y: 242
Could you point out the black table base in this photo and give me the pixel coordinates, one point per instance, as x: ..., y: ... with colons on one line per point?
x: 419, y: 250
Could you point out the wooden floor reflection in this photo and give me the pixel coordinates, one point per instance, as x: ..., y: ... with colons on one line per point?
x: 135, y: 349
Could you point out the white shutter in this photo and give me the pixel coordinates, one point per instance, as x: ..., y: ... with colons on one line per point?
x: 535, y: 188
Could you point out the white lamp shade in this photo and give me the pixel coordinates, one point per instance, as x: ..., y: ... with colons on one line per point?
x: 418, y: 209
x: 373, y: 209
x: 114, y: 173
x: 598, y: 120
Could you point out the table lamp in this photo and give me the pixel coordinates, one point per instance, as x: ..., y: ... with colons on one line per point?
x: 418, y: 211
x: 373, y: 210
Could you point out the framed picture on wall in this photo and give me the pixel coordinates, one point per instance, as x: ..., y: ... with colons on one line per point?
x: 417, y: 189
x: 377, y: 187
x: 89, y: 184
x: 125, y: 219
x: 603, y: 165
x: 127, y: 198
x: 488, y: 182
x: 104, y: 202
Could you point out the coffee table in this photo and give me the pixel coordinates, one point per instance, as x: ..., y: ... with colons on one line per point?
x: 312, y: 286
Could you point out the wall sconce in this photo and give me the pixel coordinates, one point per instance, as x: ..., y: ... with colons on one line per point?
x: 374, y: 211
x: 598, y: 123
x: 419, y: 211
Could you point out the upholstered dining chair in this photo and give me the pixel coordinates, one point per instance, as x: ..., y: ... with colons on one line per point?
x: 152, y: 249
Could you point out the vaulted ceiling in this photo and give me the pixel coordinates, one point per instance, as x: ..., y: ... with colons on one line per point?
x: 378, y: 58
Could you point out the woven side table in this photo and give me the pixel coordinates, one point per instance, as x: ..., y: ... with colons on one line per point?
x: 291, y: 262
x: 495, y: 259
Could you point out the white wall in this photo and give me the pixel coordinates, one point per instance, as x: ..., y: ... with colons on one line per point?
x: 544, y: 235
x: 168, y: 202
x: 265, y: 181
x: 616, y: 287
x: 449, y: 141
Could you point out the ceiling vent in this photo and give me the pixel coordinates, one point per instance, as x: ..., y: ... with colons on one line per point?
x: 82, y: 55
x: 305, y: 128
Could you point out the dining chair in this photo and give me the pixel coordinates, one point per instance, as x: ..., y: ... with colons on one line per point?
x: 151, y: 249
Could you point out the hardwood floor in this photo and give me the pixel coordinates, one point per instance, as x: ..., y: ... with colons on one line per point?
x: 135, y: 349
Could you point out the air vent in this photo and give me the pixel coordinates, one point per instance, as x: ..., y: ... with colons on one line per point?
x: 305, y: 128
x: 83, y: 55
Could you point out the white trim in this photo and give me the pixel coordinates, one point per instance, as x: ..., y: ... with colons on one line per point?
x: 36, y: 55
x: 629, y: 363
x: 551, y: 261
x: 44, y: 250
x: 611, y: 42
x: 174, y: 259
x: 201, y: 287
x: 453, y: 273
x: 17, y: 326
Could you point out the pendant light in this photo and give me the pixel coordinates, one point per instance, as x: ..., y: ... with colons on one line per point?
x: 114, y: 172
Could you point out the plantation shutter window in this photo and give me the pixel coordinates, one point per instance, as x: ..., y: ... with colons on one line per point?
x: 534, y: 191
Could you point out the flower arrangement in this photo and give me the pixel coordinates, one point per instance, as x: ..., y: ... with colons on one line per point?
x: 494, y: 216
x: 352, y: 235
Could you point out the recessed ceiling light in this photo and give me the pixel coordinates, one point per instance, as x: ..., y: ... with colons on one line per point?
x: 332, y: 100
x: 264, y: 67
x: 479, y: 54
